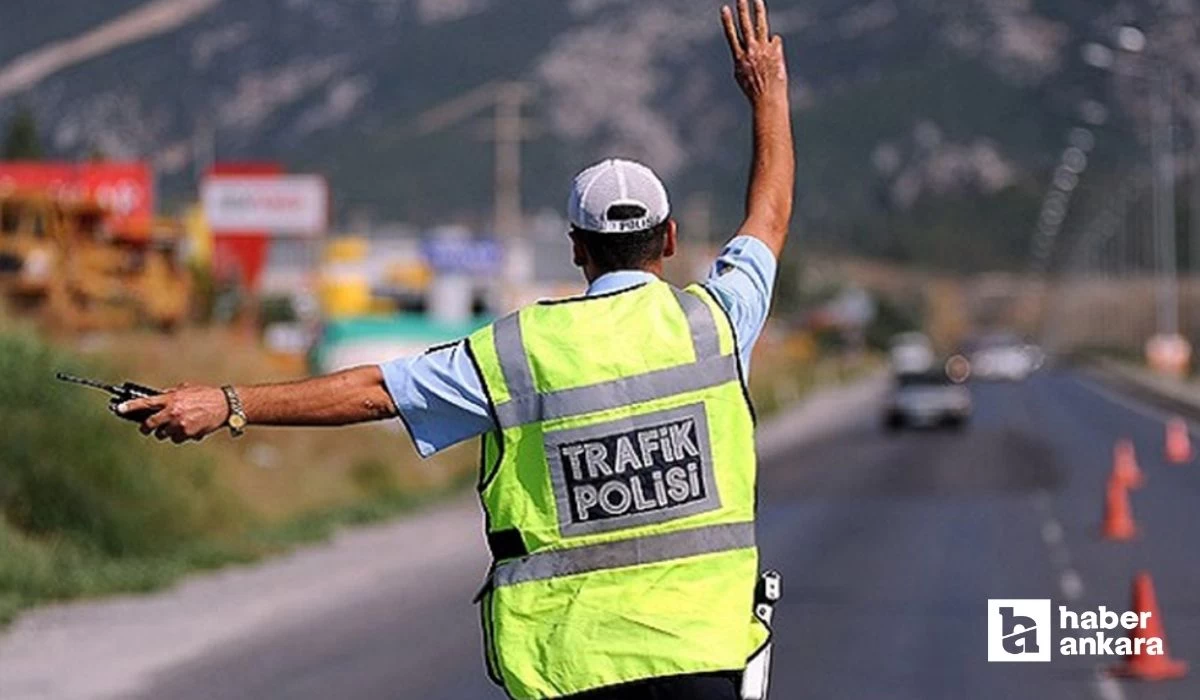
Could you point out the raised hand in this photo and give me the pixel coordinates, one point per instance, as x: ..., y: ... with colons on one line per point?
x: 758, y: 61
x: 761, y: 71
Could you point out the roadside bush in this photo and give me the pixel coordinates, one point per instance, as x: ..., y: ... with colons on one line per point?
x: 88, y: 507
x: 74, y: 476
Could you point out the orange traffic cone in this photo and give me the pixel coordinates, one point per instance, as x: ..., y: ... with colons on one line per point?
x: 1143, y: 666
x: 1118, y: 524
x: 1125, y: 466
x: 1179, y: 442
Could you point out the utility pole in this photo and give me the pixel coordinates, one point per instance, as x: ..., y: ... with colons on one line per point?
x: 508, y: 131
x: 507, y: 217
x: 204, y: 150
x: 508, y: 136
x: 1194, y: 209
x: 1162, y: 144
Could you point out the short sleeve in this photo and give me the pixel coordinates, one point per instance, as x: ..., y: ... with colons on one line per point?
x: 440, y: 397
x: 742, y: 279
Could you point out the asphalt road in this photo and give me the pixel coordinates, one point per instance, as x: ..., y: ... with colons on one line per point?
x: 889, y: 545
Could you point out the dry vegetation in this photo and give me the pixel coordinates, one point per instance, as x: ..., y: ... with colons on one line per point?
x: 277, y: 472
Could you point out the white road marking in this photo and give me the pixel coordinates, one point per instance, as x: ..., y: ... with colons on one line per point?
x: 1052, y: 532
x: 1107, y: 688
x: 1069, y: 581
x: 1071, y: 584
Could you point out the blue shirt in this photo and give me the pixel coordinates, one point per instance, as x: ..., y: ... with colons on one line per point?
x: 440, y: 395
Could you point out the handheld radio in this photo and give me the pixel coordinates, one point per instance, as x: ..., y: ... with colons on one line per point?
x: 120, y: 394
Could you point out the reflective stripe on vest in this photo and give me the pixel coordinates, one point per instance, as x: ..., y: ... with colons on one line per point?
x: 530, y: 408
x: 612, y: 555
x: 702, y: 325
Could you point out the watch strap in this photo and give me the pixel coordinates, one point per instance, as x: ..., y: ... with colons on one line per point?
x: 235, y: 409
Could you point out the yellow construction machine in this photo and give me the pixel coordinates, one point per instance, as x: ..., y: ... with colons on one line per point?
x: 63, y: 261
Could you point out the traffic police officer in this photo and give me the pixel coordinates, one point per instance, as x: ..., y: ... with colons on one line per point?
x: 618, y: 469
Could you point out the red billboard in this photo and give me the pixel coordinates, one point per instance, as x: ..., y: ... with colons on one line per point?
x: 126, y: 188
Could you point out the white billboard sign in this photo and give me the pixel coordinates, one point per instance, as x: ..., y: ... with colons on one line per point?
x: 296, y: 205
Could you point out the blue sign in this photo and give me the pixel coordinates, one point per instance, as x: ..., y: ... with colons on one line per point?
x: 463, y: 256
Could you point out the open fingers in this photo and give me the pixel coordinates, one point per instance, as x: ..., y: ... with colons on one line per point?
x: 731, y: 34
x: 746, y: 24
x: 763, y: 31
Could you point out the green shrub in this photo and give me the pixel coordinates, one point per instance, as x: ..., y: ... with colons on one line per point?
x: 70, y: 470
x: 89, y: 507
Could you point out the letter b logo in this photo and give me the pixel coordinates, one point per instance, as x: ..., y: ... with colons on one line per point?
x: 1019, y: 630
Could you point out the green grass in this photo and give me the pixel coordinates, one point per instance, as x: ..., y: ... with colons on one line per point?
x: 69, y: 471
x: 47, y: 569
x: 38, y: 570
x: 87, y: 511
x: 34, y: 571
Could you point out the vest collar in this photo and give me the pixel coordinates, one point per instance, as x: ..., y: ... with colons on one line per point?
x: 617, y: 280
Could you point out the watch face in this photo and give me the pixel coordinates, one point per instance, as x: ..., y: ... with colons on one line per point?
x: 237, y: 422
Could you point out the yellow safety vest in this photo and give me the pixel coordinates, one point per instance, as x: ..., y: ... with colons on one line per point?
x: 619, y: 488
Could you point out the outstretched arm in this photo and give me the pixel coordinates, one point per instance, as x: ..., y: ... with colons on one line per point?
x: 761, y: 71
x: 192, y: 412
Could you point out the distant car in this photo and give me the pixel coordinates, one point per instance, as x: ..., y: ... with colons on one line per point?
x: 1004, y: 356
x: 927, y: 400
x: 1011, y: 363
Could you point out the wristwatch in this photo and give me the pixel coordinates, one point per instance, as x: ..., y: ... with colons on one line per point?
x: 237, y: 414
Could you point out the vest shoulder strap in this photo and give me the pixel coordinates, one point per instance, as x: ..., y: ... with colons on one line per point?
x: 526, y: 404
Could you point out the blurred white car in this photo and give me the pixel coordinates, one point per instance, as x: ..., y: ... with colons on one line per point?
x: 927, y: 399
x: 1003, y: 362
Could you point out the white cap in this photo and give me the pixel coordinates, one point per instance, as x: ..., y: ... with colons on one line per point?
x: 612, y: 183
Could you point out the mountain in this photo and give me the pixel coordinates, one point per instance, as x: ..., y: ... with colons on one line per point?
x: 921, y: 124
